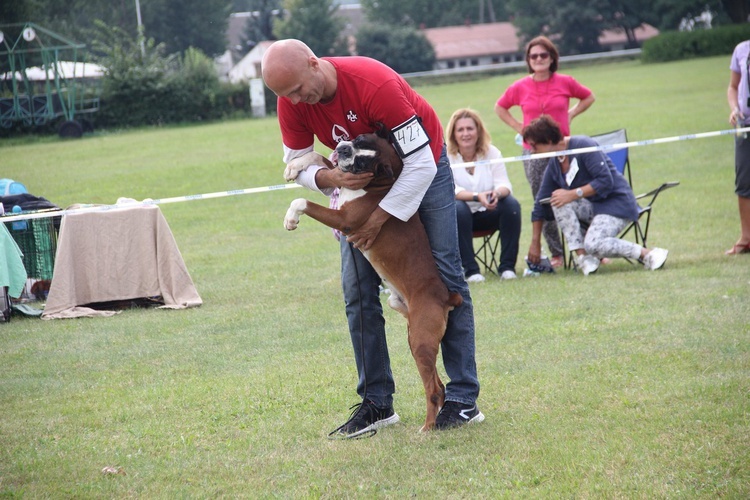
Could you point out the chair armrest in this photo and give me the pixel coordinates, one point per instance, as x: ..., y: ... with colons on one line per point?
x: 655, y: 192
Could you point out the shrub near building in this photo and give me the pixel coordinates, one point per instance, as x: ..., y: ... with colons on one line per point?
x: 154, y: 90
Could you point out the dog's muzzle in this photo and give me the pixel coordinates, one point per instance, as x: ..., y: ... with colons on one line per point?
x: 345, y: 155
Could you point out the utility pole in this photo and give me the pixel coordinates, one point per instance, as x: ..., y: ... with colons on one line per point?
x: 490, y: 11
x: 140, y: 27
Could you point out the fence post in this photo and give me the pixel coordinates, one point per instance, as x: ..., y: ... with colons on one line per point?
x: 257, y: 98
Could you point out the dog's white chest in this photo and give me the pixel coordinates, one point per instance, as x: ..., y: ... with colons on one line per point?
x: 349, y: 195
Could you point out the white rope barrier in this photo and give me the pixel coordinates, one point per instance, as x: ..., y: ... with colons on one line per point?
x: 265, y: 189
x: 609, y: 147
x: 145, y: 203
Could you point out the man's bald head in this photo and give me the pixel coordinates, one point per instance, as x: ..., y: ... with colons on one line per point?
x: 290, y: 69
x: 285, y: 62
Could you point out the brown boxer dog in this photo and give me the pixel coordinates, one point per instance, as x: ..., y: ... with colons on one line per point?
x: 401, y: 253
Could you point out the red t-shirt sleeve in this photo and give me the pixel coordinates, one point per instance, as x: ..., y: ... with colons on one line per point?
x: 510, y: 97
x: 390, y: 105
x: 577, y: 90
x: 294, y: 133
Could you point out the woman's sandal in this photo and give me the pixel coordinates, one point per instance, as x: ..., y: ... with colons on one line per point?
x: 738, y: 248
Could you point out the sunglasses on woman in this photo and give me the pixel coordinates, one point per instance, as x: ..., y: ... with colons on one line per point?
x: 541, y: 55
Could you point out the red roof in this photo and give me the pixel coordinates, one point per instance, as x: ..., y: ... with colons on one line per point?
x: 476, y: 40
x: 453, y: 42
x: 644, y: 32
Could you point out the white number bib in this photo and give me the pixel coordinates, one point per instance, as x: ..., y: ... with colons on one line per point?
x: 409, y: 137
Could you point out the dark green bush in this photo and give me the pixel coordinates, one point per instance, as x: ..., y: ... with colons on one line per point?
x: 167, y: 90
x: 147, y: 87
x: 404, y: 49
x: 677, y: 45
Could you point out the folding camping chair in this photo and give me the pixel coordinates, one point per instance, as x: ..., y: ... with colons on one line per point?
x: 487, y: 251
x: 621, y: 160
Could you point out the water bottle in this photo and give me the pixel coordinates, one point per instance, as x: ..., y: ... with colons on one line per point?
x: 19, y: 225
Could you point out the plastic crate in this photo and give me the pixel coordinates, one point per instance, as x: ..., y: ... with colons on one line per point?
x: 37, y: 239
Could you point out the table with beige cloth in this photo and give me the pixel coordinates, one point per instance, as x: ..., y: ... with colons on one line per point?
x: 114, y: 255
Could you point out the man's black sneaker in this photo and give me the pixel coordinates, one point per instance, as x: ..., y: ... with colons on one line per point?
x: 365, y: 420
x: 455, y: 414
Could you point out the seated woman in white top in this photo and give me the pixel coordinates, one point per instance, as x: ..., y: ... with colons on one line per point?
x: 484, y: 197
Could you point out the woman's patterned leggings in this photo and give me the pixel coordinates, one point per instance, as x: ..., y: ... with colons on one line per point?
x: 601, y: 236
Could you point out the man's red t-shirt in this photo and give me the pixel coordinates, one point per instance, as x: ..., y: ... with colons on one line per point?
x: 367, y: 92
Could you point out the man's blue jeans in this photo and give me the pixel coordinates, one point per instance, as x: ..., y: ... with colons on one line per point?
x: 364, y: 311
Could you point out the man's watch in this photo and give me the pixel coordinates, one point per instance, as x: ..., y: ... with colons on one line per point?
x: 476, y: 197
x: 579, y: 192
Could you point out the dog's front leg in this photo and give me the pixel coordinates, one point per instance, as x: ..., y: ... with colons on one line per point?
x: 296, y: 208
x: 297, y: 165
x: 330, y: 217
x: 336, y: 219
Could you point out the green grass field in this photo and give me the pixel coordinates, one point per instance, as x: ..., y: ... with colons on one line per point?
x: 624, y: 384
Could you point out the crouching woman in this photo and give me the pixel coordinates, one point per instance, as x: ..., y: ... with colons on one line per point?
x: 591, y: 201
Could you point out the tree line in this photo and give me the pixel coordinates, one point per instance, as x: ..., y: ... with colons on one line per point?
x: 163, y: 72
x: 202, y: 24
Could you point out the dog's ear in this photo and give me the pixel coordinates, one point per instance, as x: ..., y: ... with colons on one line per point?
x: 381, y: 130
x: 384, y: 170
x: 327, y: 162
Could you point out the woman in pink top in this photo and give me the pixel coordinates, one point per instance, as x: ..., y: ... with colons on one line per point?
x: 543, y: 92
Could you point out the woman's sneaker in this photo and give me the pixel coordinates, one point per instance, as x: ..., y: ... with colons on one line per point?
x: 508, y: 275
x: 365, y: 420
x: 655, y: 258
x: 587, y: 264
x: 455, y: 414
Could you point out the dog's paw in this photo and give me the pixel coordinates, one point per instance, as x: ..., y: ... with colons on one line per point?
x: 297, y: 165
x: 296, y: 208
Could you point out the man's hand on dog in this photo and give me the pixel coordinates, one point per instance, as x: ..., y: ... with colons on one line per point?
x: 365, y: 236
x: 336, y: 178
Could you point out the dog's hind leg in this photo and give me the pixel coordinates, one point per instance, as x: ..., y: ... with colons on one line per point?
x: 426, y: 329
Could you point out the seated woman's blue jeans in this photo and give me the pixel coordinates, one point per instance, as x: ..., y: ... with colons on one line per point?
x: 364, y: 311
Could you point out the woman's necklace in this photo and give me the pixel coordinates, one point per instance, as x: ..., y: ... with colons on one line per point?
x: 542, y: 99
x: 467, y: 159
